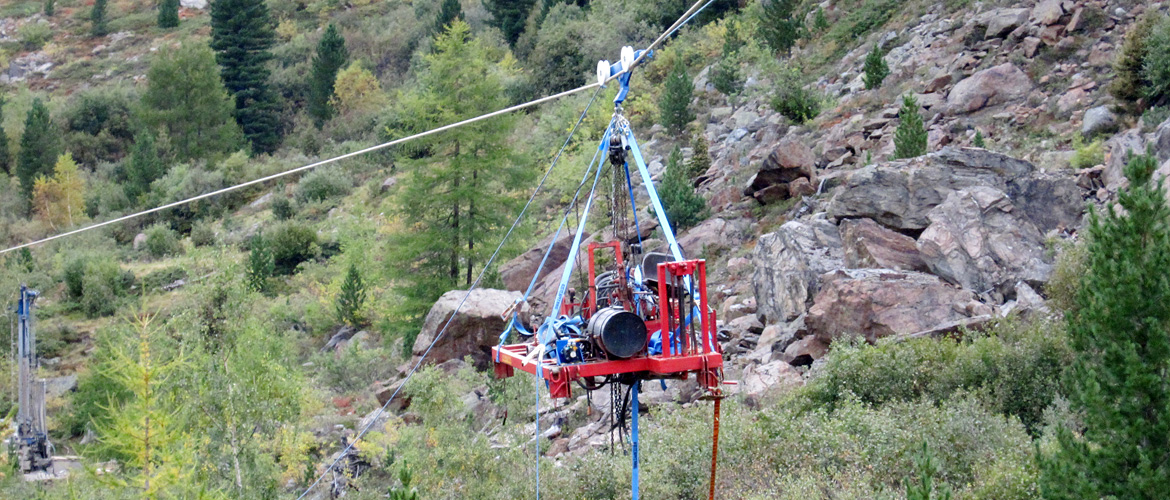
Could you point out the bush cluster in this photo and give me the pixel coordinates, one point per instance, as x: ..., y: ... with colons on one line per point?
x: 162, y: 241
x: 291, y: 244
x: 96, y: 284
x: 323, y: 185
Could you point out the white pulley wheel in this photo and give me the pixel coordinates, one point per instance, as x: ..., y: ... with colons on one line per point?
x: 627, y: 57
x: 602, y: 71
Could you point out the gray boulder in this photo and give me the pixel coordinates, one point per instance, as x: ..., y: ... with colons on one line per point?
x: 868, y: 244
x: 1098, y: 120
x: 474, y: 330
x: 788, y: 162
x: 1001, y: 22
x: 877, y: 303
x: 899, y: 194
x: 995, y: 85
x: 978, y: 240
x: 787, y: 263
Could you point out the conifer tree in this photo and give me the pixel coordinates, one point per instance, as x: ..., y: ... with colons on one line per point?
x: 731, y: 39
x: 352, y: 297
x: 144, y: 167
x: 910, y: 138
x: 875, y: 68
x: 924, y: 487
x: 331, y: 57
x: 700, y: 159
x: 186, y: 100
x: 449, y: 11
x: 5, y: 155
x: 456, y: 200
x: 168, y: 14
x: 242, y: 33
x: 1119, y: 328
x: 510, y: 16
x: 1130, y: 82
x: 779, y: 25
x: 674, y: 105
x: 50, y: 8
x: 261, y: 264
x: 820, y: 22
x: 684, y: 207
x: 39, y: 147
x: 97, y: 18
x: 979, y: 142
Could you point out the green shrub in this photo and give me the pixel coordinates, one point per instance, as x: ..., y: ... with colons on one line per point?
x: 162, y: 241
x: 162, y: 277
x: 291, y: 244
x: 203, y: 235
x: 282, y: 208
x: 354, y: 367
x: 1087, y: 155
x: 52, y: 339
x: 323, y: 184
x: 791, y: 99
x: 1156, y: 65
x: 34, y: 35
x: 260, y: 264
x: 1064, y: 284
x: 861, y: 20
x: 1015, y: 369
x: 103, y: 286
x: 1129, y: 83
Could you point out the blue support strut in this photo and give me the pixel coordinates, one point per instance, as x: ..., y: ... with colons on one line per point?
x: 634, y: 437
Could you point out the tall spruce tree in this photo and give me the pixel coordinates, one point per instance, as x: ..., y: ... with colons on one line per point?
x: 674, y: 105
x: 457, y: 199
x: 876, y: 69
x: 780, y: 25
x: 510, y: 16
x: 331, y: 57
x: 50, y: 8
x: 352, y: 297
x: 1119, y: 327
x: 684, y: 207
x: 144, y: 167
x: 39, y: 147
x: 168, y: 14
x: 241, y: 34
x: 5, y: 155
x: 449, y: 11
x: 97, y: 19
x: 910, y: 138
x: 185, y: 99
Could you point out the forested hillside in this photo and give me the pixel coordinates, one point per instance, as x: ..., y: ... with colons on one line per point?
x: 936, y: 236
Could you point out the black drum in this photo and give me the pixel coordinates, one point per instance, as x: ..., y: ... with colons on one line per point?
x: 618, y: 332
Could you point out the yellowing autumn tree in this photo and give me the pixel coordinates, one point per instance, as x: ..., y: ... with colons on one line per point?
x: 357, y: 89
x: 60, y: 200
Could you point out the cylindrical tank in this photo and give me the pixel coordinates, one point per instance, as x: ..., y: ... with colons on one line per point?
x: 620, y: 333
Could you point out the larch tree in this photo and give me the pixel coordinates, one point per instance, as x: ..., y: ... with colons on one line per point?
x: 60, y: 200
x: 510, y: 16
x: 168, y: 14
x: 144, y: 167
x: 458, y: 198
x: 186, y: 100
x: 1119, y: 327
x: 331, y: 57
x: 242, y: 33
x: 780, y: 25
x: 39, y: 147
x: 357, y: 89
x: 674, y: 105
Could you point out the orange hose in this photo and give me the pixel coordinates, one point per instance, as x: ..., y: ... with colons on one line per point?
x: 714, y: 449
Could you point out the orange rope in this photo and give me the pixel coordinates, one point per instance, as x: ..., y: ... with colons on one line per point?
x: 714, y: 448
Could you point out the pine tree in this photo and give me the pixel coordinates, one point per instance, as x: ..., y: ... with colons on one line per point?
x: 779, y: 25
x: 144, y: 167
x: 700, y: 159
x: 5, y: 155
x: 684, y: 207
x: 510, y: 16
x: 924, y: 488
x: 725, y: 75
x: 674, y: 105
x: 242, y: 33
x: 405, y: 491
x: 352, y: 298
x: 168, y: 14
x: 60, y: 200
x: 1130, y: 82
x: 50, y: 8
x: 39, y: 147
x: 910, y: 138
x: 457, y: 199
x: 331, y: 57
x: 261, y: 264
x: 449, y: 11
x: 1119, y: 328
x: 875, y: 68
x: 185, y: 100
x: 97, y: 18
x: 731, y: 39
x: 979, y: 142
x: 820, y: 22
